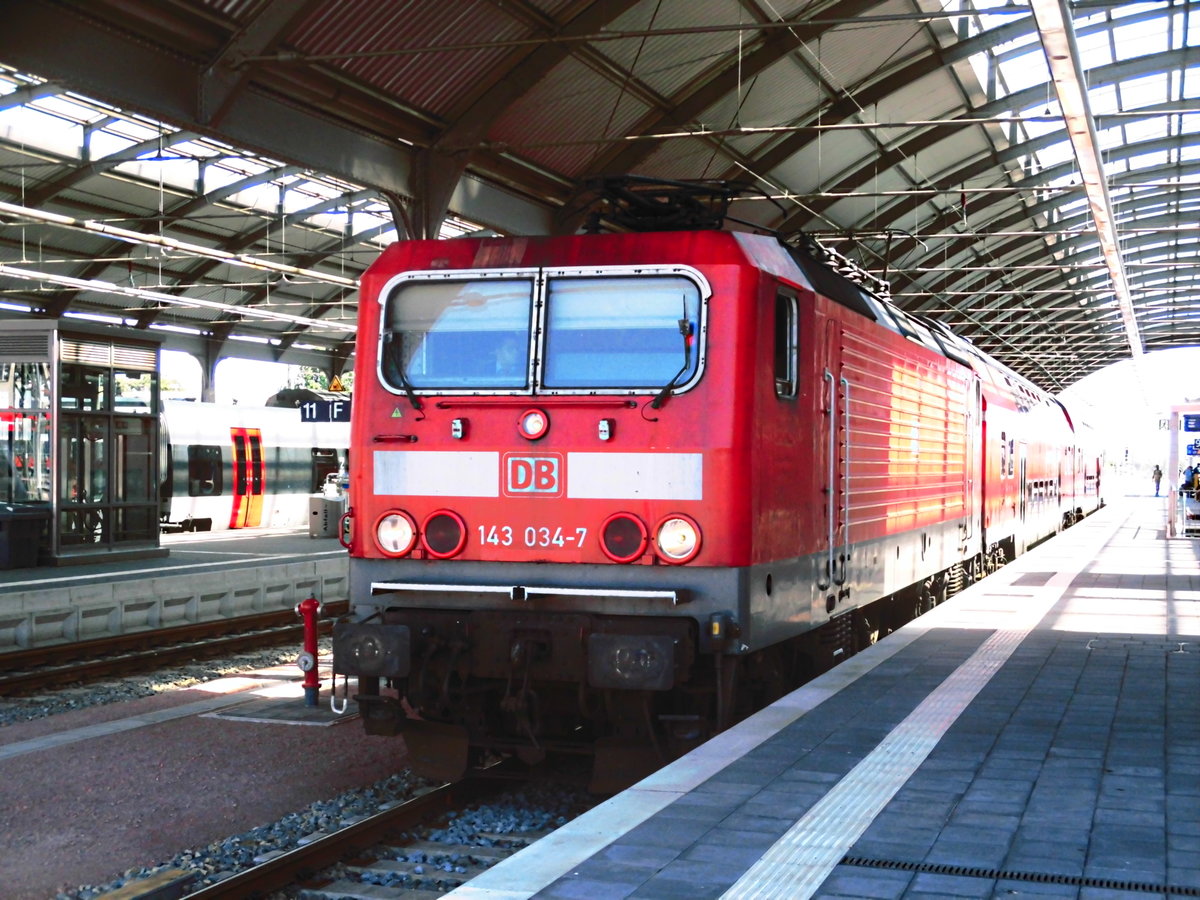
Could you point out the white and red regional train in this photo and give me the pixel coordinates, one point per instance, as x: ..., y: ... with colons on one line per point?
x: 615, y: 489
x: 243, y: 466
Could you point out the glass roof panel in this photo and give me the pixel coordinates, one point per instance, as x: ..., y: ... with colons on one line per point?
x: 1148, y: 160
x: 1145, y: 91
x: 1103, y: 99
x: 40, y: 130
x: 1140, y: 38
x: 1095, y: 48
x: 1024, y: 71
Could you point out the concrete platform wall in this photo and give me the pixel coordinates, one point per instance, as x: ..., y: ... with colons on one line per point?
x: 45, y: 616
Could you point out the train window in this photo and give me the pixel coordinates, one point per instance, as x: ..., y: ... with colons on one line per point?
x: 204, y: 470
x: 621, y: 331
x: 785, y: 346
x: 472, y: 334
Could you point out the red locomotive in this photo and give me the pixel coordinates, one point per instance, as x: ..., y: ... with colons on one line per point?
x: 614, y: 490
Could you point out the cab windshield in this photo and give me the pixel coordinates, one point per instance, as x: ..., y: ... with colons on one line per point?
x: 458, y: 335
x: 620, y: 332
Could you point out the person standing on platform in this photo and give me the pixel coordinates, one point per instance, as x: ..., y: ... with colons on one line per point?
x: 1157, y: 476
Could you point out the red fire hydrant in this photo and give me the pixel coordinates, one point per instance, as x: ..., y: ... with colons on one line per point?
x: 307, y: 660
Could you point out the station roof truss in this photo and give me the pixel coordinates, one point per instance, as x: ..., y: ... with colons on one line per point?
x: 1025, y: 171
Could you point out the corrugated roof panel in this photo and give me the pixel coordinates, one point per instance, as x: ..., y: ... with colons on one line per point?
x: 949, y: 154
x: 847, y: 57
x: 781, y: 95
x: 671, y: 63
x: 685, y: 158
x: 573, y: 104
x: 935, y: 96
x: 239, y: 10
x: 823, y: 162
x: 435, y: 79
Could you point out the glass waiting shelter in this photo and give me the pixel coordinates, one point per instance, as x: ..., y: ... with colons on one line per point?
x: 79, y: 443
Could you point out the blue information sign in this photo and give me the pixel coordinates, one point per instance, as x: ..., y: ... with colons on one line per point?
x: 1191, y: 422
x: 325, y: 411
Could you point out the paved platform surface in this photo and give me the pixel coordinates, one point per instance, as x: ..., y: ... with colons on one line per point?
x: 90, y: 793
x: 1039, y: 734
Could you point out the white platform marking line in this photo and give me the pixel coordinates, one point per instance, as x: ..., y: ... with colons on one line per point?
x: 163, y: 571
x: 117, y: 726
x: 803, y: 858
x: 800, y: 861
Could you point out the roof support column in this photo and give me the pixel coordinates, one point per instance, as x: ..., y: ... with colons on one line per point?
x: 436, y: 174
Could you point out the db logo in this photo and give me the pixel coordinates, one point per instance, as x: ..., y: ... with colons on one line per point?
x: 524, y: 475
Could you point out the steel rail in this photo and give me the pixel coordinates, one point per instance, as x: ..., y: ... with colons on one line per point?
x: 64, y: 663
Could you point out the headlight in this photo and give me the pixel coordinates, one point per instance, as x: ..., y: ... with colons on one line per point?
x: 395, y: 533
x: 444, y: 534
x: 533, y: 424
x: 677, y: 539
x: 623, y: 537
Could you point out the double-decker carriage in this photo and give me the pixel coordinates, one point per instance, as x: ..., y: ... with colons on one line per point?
x: 613, y: 491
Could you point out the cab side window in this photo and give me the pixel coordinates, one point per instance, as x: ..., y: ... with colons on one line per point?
x: 786, y: 343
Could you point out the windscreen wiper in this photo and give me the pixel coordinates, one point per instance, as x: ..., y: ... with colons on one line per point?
x: 392, y: 351
x: 685, y: 329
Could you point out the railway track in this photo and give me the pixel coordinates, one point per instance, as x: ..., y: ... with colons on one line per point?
x: 42, y: 667
x: 379, y: 857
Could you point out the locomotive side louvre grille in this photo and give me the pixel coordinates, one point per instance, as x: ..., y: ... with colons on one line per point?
x: 25, y: 347
x: 908, y: 443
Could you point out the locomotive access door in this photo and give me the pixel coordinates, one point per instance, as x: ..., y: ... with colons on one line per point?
x: 835, y: 471
x: 247, y: 478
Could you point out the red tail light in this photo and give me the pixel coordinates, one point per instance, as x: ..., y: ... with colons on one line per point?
x: 623, y: 537
x: 444, y: 534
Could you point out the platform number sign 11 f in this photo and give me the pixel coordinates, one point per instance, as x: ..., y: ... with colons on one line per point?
x: 325, y: 411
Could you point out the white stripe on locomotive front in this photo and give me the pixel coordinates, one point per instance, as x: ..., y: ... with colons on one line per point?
x: 590, y: 476
x: 437, y: 473
x: 635, y: 476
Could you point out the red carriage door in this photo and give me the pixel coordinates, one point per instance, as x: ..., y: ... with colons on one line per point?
x: 1022, y: 501
x: 247, y: 478
x: 973, y: 469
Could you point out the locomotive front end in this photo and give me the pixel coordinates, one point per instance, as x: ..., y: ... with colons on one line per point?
x: 533, y: 545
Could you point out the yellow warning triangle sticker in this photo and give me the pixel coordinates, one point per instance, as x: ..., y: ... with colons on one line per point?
x: 397, y: 413
x: 336, y: 384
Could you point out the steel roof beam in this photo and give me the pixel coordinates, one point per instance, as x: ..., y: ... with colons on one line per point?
x: 230, y: 71
x: 85, y: 168
x: 94, y: 59
x: 30, y: 93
